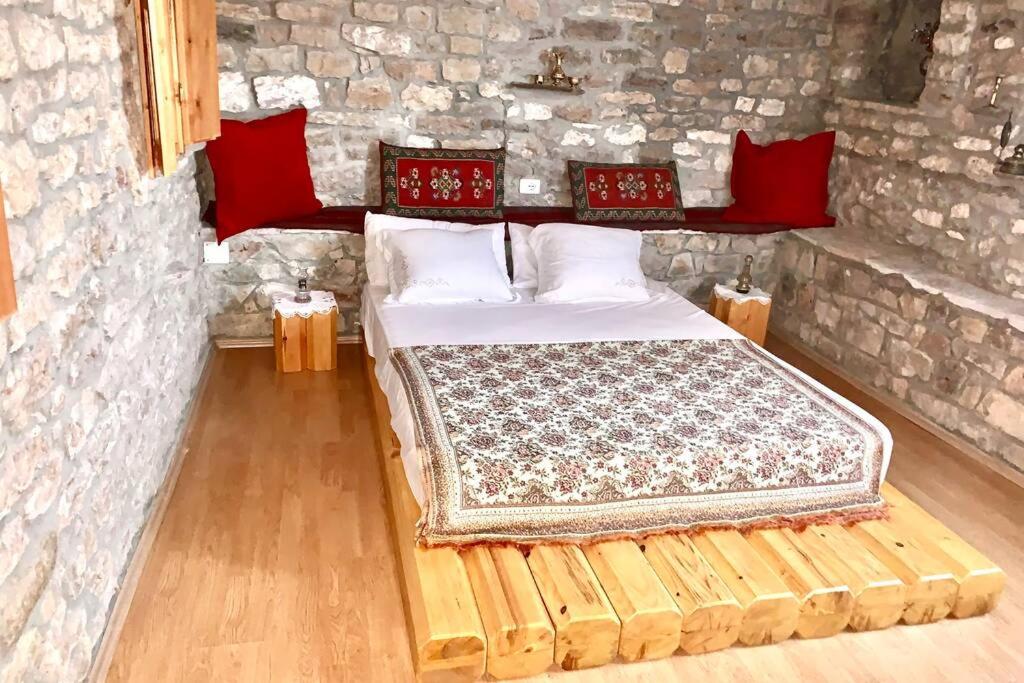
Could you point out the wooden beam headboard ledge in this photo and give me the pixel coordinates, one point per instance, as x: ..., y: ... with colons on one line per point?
x: 702, y: 219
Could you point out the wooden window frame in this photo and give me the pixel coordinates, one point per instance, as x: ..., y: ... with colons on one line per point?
x: 8, y: 297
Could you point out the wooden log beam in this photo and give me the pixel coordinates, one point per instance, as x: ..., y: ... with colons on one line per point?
x: 981, y: 582
x: 826, y: 601
x: 770, y: 609
x: 586, y: 627
x: 448, y: 639
x: 931, y: 587
x: 520, y: 637
x: 879, y: 595
x: 650, y: 620
x: 711, y: 615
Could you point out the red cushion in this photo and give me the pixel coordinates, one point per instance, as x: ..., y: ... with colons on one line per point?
x: 625, y: 192
x: 783, y: 182
x: 442, y: 183
x: 261, y: 172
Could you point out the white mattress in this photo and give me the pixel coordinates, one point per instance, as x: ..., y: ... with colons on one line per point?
x: 665, y: 316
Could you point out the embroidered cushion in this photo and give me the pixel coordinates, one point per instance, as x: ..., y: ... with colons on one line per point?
x: 261, y: 172
x: 783, y: 182
x: 585, y: 263
x: 442, y: 183
x: 444, y: 267
x: 625, y: 192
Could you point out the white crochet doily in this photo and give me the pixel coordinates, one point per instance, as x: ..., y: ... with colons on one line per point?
x: 729, y: 292
x: 286, y: 306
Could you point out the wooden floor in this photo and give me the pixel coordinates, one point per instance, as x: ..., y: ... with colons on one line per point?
x: 274, y: 562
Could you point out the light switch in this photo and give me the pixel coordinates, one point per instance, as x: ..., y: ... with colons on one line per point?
x: 529, y: 186
x: 216, y: 253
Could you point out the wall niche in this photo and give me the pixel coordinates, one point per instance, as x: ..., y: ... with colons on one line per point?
x: 908, y: 51
x: 892, y: 48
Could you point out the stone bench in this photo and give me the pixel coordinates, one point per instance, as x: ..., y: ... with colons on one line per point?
x: 951, y: 351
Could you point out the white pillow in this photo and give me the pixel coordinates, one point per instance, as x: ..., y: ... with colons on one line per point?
x: 524, y: 263
x: 376, y: 225
x: 587, y: 263
x: 444, y: 267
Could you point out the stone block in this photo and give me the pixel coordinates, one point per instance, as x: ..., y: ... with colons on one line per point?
x: 23, y: 592
x: 39, y: 42
x: 284, y: 92
x: 334, y: 64
x: 527, y: 10
x: 1005, y: 413
x: 907, y: 361
x: 461, y: 70
x: 866, y: 336
x: 378, y: 39
x: 427, y: 98
x: 591, y: 29
x: 369, y: 93
x: 467, y: 20
x: 325, y: 37
x: 382, y: 12
x: 281, y: 58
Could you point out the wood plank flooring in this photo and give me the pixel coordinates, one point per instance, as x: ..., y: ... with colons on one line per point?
x: 274, y: 561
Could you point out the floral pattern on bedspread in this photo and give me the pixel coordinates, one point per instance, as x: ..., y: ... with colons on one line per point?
x: 569, y: 442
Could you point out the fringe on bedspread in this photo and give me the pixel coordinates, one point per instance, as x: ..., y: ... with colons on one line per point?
x: 797, y: 523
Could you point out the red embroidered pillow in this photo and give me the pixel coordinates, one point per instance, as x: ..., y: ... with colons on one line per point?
x: 783, y: 182
x: 442, y: 183
x: 261, y: 172
x: 625, y: 192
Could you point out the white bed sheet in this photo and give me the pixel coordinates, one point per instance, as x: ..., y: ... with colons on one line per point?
x: 666, y: 315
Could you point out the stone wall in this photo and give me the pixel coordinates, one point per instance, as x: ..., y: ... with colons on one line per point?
x: 920, y: 290
x: 664, y: 79
x: 100, y: 362
x: 955, y: 355
x: 923, y: 176
x: 910, y: 177
x: 268, y: 260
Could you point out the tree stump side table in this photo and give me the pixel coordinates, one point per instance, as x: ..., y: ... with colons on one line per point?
x: 745, y: 313
x: 305, y: 335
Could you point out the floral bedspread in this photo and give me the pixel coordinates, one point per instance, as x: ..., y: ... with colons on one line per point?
x: 532, y: 443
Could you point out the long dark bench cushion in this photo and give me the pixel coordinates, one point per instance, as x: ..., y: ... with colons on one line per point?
x: 701, y: 219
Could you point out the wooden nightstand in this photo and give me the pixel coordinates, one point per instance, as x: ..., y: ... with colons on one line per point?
x: 745, y: 313
x: 306, y: 335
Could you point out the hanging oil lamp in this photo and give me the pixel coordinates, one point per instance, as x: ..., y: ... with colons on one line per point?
x: 1014, y: 165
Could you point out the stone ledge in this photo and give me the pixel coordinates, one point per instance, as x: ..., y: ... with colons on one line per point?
x: 903, y: 261
x: 952, y: 352
x: 875, y: 105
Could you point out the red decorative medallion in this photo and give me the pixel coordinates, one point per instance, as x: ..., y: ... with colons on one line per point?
x: 442, y: 183
x: 625, y: 192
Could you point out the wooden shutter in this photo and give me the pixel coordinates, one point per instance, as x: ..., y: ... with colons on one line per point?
x: 178, y: 68
x: 8, y: 302
x: 197, y: 66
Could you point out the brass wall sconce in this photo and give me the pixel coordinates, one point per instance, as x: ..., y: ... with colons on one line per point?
x: 556, y: 78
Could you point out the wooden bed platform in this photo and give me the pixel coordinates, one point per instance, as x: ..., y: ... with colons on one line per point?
x: 509, y: 613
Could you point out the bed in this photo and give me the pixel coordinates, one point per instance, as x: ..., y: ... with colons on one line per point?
x: 479, y: 513
x: 509, y: 588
